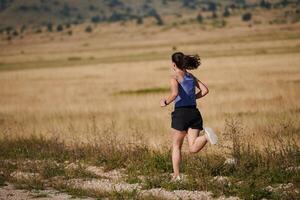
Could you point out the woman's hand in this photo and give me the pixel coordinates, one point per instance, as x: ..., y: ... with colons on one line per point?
x: 163, y: 103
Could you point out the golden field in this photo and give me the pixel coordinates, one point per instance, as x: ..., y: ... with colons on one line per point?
x: 111, y: 81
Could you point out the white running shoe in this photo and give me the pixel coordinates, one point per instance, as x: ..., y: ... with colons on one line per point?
x: 176, y: 179
x: 211, y: 136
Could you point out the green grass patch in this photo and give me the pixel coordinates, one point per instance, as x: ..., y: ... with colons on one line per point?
x: 153, y: 90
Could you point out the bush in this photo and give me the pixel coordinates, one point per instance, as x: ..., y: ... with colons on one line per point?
x: 15, y: 33
x: 212, y: 6
x: 116, y: 17
x: 199, y: 18
x: 50, y: 27
x: 214, y: 15
x: 139, y: 20
x: 23, y: 28
x: 158, y: 18
x: 265, y: 4
x: 59, y: 28
x: 226, y: 12
x: 68, y: 25
x: 247, y: 16
x: 88, y: 29
x: 39, y: 30
x: 96, y: 19
x: 9, y: 29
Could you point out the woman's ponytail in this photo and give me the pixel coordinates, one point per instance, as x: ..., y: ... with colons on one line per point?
x: 186, y: 61
x: 191, y: 61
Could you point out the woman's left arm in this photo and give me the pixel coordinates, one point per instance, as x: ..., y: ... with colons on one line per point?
x: 173, y: 95
x: 202, y: 87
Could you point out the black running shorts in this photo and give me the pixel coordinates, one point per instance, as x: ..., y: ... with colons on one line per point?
x: 186, y: 117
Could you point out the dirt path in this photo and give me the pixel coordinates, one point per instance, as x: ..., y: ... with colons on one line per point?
x: 101, y: 183
x: 9, y: 192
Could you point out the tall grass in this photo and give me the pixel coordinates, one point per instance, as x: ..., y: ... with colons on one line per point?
x: 251, y: 171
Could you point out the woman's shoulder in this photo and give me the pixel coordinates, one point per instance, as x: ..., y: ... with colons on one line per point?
x: 190, y: 74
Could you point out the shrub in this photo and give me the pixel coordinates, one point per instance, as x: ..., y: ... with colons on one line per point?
x: 212, y: 6
x: 139, y: 20
x: 38, y: 30
x: 50, y: 27
x: 247, y: 16
x: 158, y: 18
x: 265, y: 4
x: 96, y: 19
x: 88, y: 29
x: 199, y: 18
x: 214, y: 15
x: 15, y: 33
x: 59, y: 28
x: 226, y: 12
x: 23, y: 28
x: 9, y: 29
x: 68, y: 25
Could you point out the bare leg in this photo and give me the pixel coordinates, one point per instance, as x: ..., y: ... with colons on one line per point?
x: 177, y: 140
x: 196, y: 142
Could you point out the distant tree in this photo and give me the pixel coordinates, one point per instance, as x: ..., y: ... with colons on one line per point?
x: 39, y: 30
x: 15, y: 33
x: 79, y: 17
x: 212, y: 6
x: 128, y: 10
x: 70, y: 32
x: 189, y: 3
x: 88, y: 29
x: 116, y: 17
x: 4, y: 4
x: 139, y: 20
x: 114, y: 3
x: 46, y: 8
x: 59, y: 28
x: 50, y: 27
x: 68, y: 25
x: 9, y: 29
x: 96, y: 19
x: 247, y: 16
x: 158, y: 18
x: 23, y: 28
x: 66, y: 10
x: 226, y: 12
x: 214, y: 15
x: 92, y: 8
x: 265, y: 4
x: 56, y: 3
x: 199, y: 18
x: 284, y: 3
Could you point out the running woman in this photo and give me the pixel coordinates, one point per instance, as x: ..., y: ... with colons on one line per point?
x: 186, y: 118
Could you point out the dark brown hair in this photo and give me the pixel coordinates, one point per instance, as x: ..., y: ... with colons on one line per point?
x: 186, y: 61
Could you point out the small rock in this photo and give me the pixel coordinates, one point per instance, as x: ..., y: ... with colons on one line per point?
x: 230, y: 161
x: 223, y: 180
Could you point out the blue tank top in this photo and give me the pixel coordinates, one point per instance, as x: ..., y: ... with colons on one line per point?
x: 186, y: 92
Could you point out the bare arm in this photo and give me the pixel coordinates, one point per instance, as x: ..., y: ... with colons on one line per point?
x: 202, y: 87
x: 173, y: 95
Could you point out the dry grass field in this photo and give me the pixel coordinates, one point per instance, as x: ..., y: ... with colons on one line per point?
x: 113, y: 79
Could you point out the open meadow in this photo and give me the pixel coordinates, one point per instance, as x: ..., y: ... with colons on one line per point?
x: 105, y: 86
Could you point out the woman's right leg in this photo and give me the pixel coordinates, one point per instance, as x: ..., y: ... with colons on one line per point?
x: 177, y: 140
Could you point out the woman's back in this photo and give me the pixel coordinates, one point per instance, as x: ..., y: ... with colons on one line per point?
x: 186, y: 92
